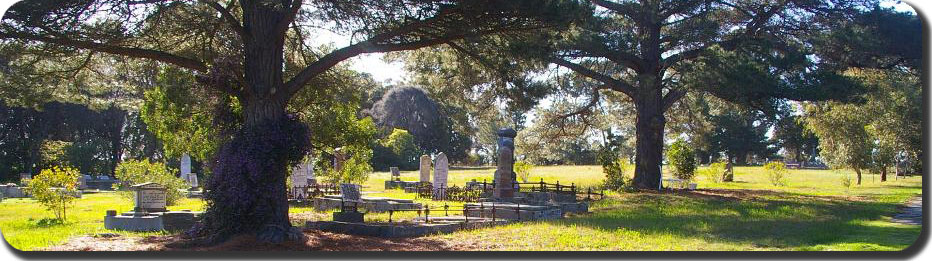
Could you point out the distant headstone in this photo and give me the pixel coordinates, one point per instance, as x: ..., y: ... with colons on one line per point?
x: 192, y: 180
x: 82, y: 181
x: 150, y: 197
x: 506, y: 180
x: 24, y: 177
x: 729, y: 175
x: 504, y: 184
x: 350, y: 192
x: 425, y: 168
x: 396, y: 174
x: 185, y: 164
x: 441, y: 168
x: 299, y: 180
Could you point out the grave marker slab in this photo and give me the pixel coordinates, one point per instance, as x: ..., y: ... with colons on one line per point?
x: 441, y: 169
x: 150, y: 197
x: 425, y: 168
x: 396, y: 174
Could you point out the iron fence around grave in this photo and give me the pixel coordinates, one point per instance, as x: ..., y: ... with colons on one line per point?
x: 588, y: 193
x: 312, y: 191
x: 495, y: 212
x: 453, y: 193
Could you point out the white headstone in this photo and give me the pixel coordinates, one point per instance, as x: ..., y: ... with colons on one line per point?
x: 425, y: 168
x: 299, y: 180
x: 441, y: 168
x: 185, y: 165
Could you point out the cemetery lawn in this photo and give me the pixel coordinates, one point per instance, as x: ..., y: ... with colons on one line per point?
x: 25, y: 222
x: 813, y: 212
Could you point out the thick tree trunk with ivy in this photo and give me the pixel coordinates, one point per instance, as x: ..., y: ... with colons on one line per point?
x: 649, y: 135
x: 247, y: 191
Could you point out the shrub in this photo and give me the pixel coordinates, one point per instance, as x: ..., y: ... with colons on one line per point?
x: 683, y: 160
x: 55, y: 188
x: 846, y: 181
x: 614, y: 169
x: 715, y: 172
x: 776, y: 173
x: 523, y: 170
x: 133, y: 172
x: 356, y: 168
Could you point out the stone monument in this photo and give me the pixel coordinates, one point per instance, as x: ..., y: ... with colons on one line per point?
x: 425, y: 169
x: 396, y: 174
x: 299, y: 180
x: 150, y: 197
x: 505, y: 178
x: 186, y: 174
x: 441, y: 168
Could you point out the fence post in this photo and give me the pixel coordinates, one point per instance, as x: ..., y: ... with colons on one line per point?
x: 445, y: 209
x: 589, y: 194
x: 493, y: 212
x: 465, y: 213
x: 573, y: 188
x: 390, y: 212
x: 542, y: 185
x: 427, y: 214
x: 558, y: 186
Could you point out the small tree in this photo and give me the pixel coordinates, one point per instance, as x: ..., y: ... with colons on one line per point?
x: 715, y: 172
x: 55, y: 188
x: 614, y: 168
x: 132, y: 172
x: 776, y: 173
x: 683, y: 160
x: 523, y: 170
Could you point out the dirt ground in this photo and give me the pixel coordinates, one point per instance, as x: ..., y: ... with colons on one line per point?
x: 316, y: 241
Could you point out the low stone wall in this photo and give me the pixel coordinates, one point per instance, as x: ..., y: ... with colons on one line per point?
x: 385, y: 230
x: 370, y: 204
x: 511, y: 211
x: 155, y: 221
x: 398, y: 184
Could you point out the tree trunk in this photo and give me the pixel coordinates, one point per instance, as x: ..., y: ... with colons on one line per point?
x: 883, y: 173
x: 649, y: 143
x: 247, y: 192
x: 858, y: 171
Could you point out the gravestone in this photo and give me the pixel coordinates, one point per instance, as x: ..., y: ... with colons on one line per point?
x: 396, y: 174
x: 339, y: 156
x: 506, y: 180
x: 150, y: 197
x: 24, y: 178
x: 299, y: 180
x: 82, y: 181
x: 350, y: 192
x: 350, y: 196
x: 729, y: 175
x: 425, y: 168
x: 441, y: 168
x: 186, y: 174
x: 504, y: 187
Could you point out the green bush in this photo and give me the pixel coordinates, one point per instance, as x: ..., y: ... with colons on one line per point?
x: 614, y: 169
x: 356, y: 168
x: 523, y: 170
x: 132, y: 172
x: 776, y: 173
x: 715, y: 172
x: 55, y: 188
x: 683, y: 160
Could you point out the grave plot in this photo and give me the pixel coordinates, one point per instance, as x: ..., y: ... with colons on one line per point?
x: 150, y: 213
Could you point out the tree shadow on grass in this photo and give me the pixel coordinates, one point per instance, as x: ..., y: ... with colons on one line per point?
x: 757, y: 217
x: 316, y: 241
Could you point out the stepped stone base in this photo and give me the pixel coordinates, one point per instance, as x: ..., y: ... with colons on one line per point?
x: 154, y: 221
x: 438, y: 225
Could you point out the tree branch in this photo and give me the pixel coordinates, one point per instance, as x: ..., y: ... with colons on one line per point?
x: 134, y: 52
x: 671, y: 97
x: 592, y: 103
x: 624, y: 9
x: 611, y: 83
x: 227, y: 16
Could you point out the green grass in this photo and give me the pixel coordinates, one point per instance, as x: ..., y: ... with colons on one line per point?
x: 813, y: 212
x: 21, y: 220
